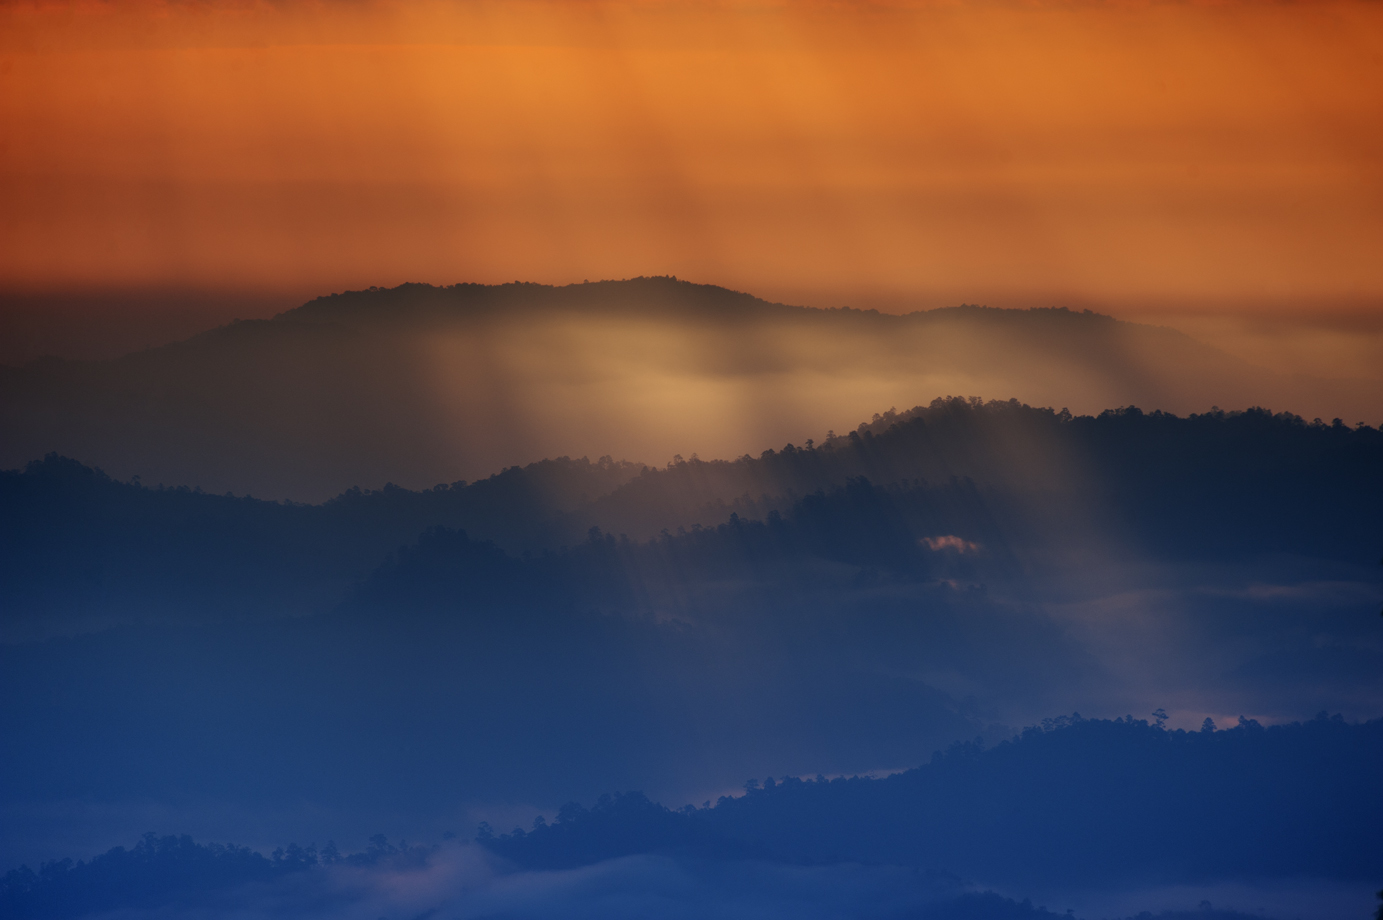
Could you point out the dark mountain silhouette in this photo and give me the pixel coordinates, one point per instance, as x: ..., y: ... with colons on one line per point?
x: 1070, y: 802
x: 957, y: 490
x: 173, y: 872
x: 419, y: 385
x: 75, y: 541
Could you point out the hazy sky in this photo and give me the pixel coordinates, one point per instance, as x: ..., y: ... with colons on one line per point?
x: 1217, y: 166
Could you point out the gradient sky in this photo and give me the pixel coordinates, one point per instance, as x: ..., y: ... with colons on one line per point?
x: 1215, y: 166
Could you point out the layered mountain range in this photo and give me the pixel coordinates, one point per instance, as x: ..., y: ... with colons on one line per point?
x: 418, y: 385
x: 437, y: 613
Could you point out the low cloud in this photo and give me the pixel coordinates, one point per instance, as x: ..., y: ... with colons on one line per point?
x: 468, y: 883
x: 949, y: 542
x: 464, y: 881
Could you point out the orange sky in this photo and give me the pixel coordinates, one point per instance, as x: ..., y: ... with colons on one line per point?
x: 1205, y: 162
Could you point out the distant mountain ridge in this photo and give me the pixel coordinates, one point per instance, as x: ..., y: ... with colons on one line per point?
x: 418, y: 384
x: 1020, y: 482
x: 641, y: 296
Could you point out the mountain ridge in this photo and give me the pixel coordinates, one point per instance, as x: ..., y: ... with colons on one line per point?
x: 365, y: 304
x: 418, y: 385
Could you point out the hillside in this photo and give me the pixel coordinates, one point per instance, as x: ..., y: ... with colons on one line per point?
x: 1061, y: 813
x: 1076, y: 801
x: 419, y: 385
x: 1024, y: 488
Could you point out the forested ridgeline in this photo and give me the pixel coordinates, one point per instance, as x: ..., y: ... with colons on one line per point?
x: 1077, y: 802
x: 175, y: 872
x: 1254, y: 478
x: 1083, y: 801
x: 957, y: 490
x: 73, y: 537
